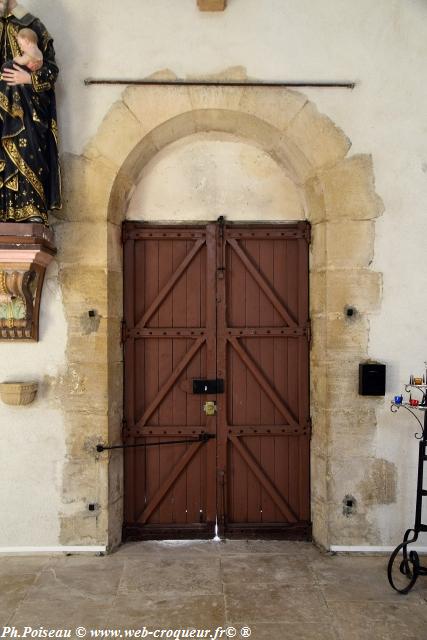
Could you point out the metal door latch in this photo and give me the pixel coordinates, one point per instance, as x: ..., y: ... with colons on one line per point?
x: 209, y: 408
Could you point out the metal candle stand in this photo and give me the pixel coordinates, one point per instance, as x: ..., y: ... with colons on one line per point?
x: 409, y: 562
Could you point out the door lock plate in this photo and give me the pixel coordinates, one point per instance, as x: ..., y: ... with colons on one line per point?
x: 210, y: 408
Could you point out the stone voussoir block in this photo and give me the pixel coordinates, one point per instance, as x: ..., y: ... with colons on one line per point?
x: 322, y: 142
x: 154, y: 105
x: 173, y: 129
x: 215, y: 97
x: 118, y: 134
x: 278, y: 107
x: 314, y: 200
x: 349, y: 190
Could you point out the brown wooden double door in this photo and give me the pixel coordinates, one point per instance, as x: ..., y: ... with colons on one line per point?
x: 221, y: 302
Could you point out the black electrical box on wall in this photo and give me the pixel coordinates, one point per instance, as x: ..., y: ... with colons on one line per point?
x: 371, y: 379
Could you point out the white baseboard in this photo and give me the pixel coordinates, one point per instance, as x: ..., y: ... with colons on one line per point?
x: 59, y: 549
x: 371, y: 549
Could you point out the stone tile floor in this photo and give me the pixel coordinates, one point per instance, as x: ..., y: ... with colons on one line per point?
x: 281, y: 590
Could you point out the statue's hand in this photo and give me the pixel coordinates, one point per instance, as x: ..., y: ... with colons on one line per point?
x: 15, y: 76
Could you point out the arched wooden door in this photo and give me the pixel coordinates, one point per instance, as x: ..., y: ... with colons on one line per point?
x: 216, y: 343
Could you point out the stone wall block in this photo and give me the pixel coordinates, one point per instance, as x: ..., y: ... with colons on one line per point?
x: 83, y: 243
x: 88, y: 348
x: 80, y: 482
x: 83, y: 436
x: 349, y: 190
x: 80, y: 530
x: 323, y: 143
x: 319, y: 385
x: 352, y: 431
x: 115, y: 476
x: 117, y: 135
x: 154, y: 105
x: 314, y: 200
x: 115, y: 387
x: 115, y: 521
x: 359, y: 288
x: 114, y: 346
x: 115, y: 424
x: 350, y: 244
x: 84, y: 289
x: 320, y: 431
x: 319, y: 327
x: 319, y: 477
x: 115, y: 294
x: 318, y: 288
x: 318, y: 247
x: 320, y: 519
x: 84, y: 388
x: 343, y: 385
x: 86, y: 188
x: 114, y: 247
x: 347, y: 336
x: 276, y: 106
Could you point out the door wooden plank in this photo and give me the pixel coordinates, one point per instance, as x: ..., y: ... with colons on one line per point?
x: 237, y: 471
x: 168, y: 482
x: 170, y: 284
x: 210, y: 369
x: 284, y: 507
x: 262, y: 283
x: 165, y: 365
x: 253, y: 391
x: 195, y: 473
x: 267, y: 464
x: 271, y: 393
x: 180, y: 295
x: 170, y: 382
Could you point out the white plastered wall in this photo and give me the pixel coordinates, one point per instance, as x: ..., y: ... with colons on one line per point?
x: 207, y: 175
x: 383, y: 47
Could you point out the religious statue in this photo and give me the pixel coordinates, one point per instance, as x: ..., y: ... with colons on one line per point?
x: 30, y: 183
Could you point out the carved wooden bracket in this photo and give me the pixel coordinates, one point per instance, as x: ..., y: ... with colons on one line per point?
x: 26, y: 249
x: 212, y: 5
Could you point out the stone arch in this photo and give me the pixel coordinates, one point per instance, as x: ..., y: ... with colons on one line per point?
x: 340, y: 201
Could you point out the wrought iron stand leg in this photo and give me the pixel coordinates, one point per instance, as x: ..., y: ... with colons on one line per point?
x: 410, y: 564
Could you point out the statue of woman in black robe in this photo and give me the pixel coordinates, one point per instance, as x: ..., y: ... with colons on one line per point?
x: 30, y: 183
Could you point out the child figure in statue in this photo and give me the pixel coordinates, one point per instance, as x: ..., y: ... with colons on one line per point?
x: 31, y: 56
